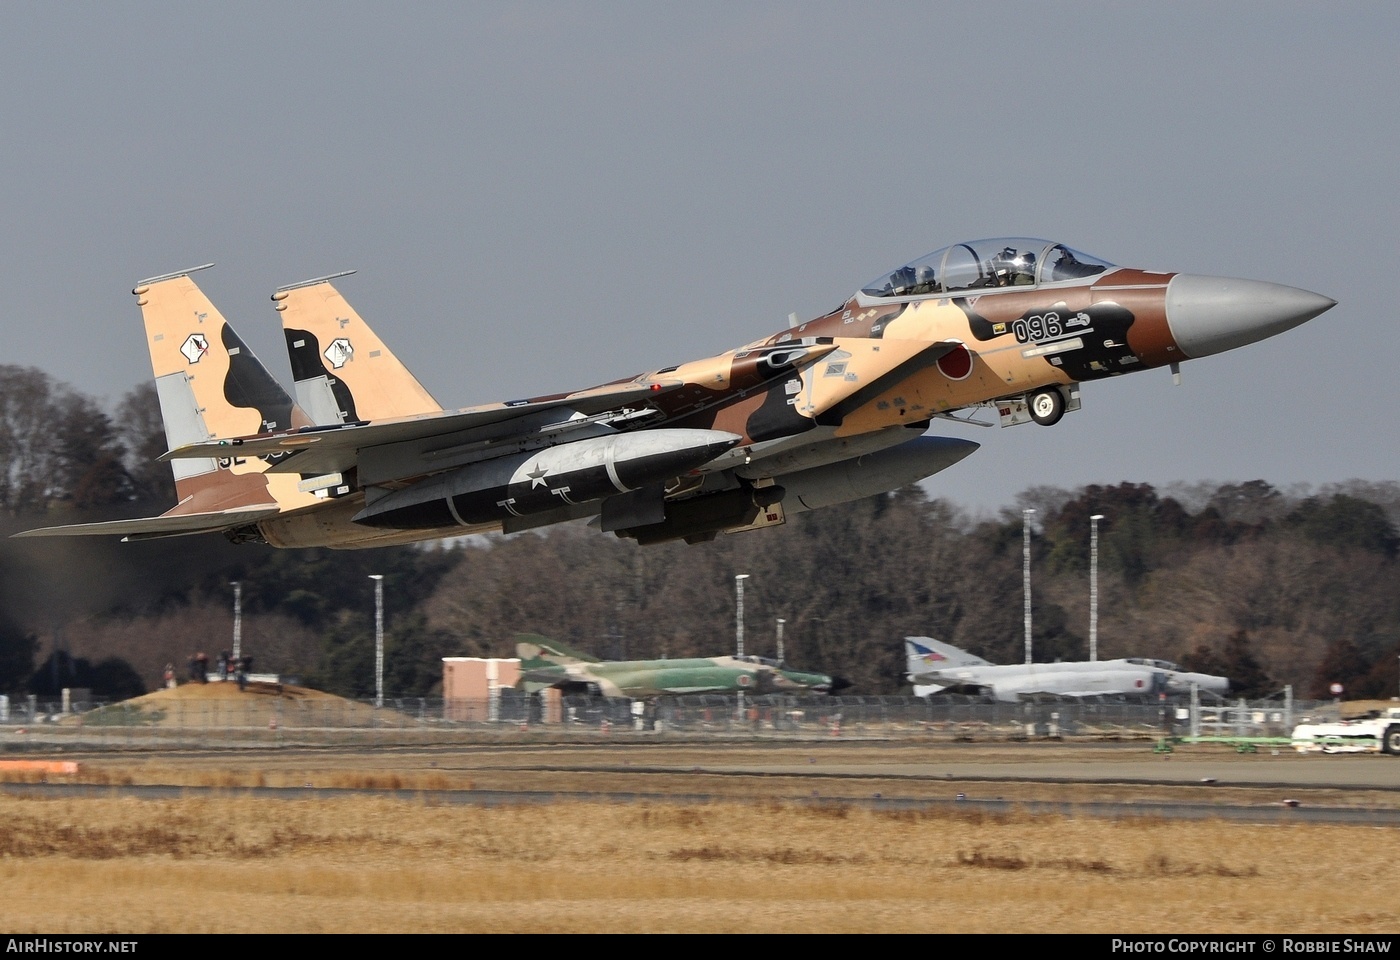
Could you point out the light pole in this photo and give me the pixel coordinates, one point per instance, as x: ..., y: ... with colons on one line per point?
x: 1026, y: 572
x: 1094, y: 586
x: 237, y: 620
x: 378, y: 579
x: 781, y: 621
x: 739, y: 579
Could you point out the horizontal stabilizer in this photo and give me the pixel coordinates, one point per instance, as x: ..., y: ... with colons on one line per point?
x: 164, y: 526
x: 336, y: 448
x: 548, y: 676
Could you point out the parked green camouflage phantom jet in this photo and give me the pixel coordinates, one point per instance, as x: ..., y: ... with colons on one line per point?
x: 547, y: 663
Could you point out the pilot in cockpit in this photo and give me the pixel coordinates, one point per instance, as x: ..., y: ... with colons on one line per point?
x: 901, y: 280
x: 928, y: 282
x: 1013, y: 268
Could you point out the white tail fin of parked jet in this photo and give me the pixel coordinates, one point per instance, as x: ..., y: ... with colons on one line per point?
x: 925, y: 653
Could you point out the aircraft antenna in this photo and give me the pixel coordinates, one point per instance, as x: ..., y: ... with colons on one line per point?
x: 312, y: 282
x: 171, y: 276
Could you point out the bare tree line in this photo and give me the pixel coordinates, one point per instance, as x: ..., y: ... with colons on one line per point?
x: 1287, y: 586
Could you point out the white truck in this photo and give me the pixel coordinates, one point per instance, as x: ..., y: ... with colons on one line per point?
x: 1378, y: 733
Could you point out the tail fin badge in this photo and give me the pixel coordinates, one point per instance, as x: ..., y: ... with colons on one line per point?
x: 195, y: 347
x: 926, y: 654
x: 340, y: 352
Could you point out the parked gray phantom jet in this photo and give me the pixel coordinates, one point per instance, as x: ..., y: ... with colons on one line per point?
x: 937, y: 667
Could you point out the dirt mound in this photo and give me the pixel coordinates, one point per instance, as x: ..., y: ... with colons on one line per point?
x: 221, y: 705
x: 228, y: 690
x: 1352, y: 709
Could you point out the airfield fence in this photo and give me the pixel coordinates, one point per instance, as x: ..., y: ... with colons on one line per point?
x: 273, y: 721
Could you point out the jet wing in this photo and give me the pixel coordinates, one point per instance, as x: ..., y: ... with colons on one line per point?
x: 145, y: 528
x: 548, y: 676
x: 1059, y: 694
x: 1049, y: 695
x: 947, y: 678
x: 335, y: 448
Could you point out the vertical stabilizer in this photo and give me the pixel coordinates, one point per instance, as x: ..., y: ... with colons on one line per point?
x: 925, y: 653
x: 210, y: 385
x: 532, y: 646
x: 343, y: 371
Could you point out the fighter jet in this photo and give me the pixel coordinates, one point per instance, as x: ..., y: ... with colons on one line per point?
x: 937, y: 667
x: 833, y: 409
x: 548, y: 663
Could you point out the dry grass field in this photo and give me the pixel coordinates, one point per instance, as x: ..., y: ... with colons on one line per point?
x: 232, y: 861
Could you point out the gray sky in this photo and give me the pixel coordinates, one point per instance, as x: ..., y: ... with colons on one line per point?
x: 540, y: 197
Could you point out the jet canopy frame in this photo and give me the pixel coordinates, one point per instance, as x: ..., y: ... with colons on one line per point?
x: 990, y: 264
x: 1156, y: 664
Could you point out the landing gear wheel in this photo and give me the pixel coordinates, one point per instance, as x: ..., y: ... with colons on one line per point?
x: 1046, y: 406
x: 1391, y: 742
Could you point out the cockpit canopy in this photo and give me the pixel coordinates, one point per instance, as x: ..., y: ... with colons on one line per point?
x: 763, y: 661
x: 1155, y: 664
x: 986, y: 265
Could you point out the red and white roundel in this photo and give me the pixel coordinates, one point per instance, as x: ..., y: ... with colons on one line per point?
x: 743, y: 679
x: 956, y: 364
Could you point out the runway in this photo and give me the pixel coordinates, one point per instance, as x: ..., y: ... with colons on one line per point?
x: 1081, y: 780
x: 1288, y: 769
x: 1276, y: 813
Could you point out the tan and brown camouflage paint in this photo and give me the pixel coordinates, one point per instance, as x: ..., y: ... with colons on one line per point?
x: 867, y: 368
x: 188, y: 337
x: 380, y: 386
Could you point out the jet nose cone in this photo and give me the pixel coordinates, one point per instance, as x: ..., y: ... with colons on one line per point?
x: 1213, y: 314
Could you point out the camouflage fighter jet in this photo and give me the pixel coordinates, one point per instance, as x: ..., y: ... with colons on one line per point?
x: 831, y: 410
x: 548, y: 663
x: 937, y: 667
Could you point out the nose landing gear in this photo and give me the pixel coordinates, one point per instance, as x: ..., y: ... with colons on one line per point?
x: 1046, y: 406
